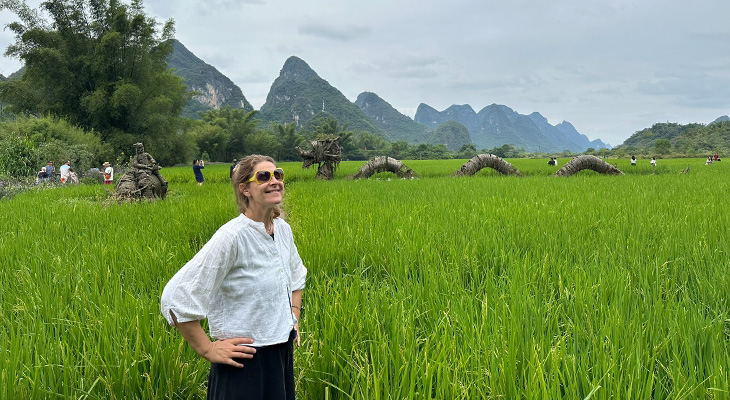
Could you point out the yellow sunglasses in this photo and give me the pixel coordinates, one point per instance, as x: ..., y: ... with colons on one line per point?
x: 262, y: 177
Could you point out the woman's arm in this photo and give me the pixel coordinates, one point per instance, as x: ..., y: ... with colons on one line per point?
x: 219, y: 351
x: 296, y: 308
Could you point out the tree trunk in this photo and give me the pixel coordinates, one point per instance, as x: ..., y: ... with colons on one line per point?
x: 593, y: 163
x: 480, y: 161
x: 381, y: 164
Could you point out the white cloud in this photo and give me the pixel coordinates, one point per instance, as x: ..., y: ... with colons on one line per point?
x: 327, y: 31
x: 610, y: 67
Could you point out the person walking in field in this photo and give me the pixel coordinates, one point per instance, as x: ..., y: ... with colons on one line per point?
x: 197, y: 166
x: 653, y: 162
x: 108, y: 173
x: 233, y: 165
x: 247, y: 280
x: 633, y: 161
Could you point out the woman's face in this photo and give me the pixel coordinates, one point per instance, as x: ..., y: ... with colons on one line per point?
x: 266, y: 195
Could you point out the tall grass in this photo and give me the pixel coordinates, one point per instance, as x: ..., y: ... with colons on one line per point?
x: 488, y: 286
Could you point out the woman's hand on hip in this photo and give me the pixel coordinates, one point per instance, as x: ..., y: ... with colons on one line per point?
x: 224, y: 351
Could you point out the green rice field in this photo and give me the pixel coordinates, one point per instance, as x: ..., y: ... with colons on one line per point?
x: 537, y: 287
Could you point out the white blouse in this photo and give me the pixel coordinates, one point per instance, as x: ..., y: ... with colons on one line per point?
x: 241, y: 281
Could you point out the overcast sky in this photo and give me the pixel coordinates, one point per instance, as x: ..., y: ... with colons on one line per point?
x: 610, y: 67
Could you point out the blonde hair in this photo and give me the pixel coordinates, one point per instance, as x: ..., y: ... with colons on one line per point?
x: 242, y: 172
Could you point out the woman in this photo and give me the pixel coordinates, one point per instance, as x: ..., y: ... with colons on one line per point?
x: 41, y: 176
x: 108, y: 173
x: 247, y: 281
x: 197, y: 166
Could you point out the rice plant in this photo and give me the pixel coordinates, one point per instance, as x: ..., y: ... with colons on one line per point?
x: 450, y: 288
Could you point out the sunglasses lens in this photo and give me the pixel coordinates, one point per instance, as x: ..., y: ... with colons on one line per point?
x: 263, y: 176
x: 279, y: 174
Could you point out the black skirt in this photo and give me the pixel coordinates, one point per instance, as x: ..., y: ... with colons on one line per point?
x: 268, y: 375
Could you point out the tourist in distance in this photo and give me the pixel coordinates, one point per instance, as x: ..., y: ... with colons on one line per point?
x: 64, y: 170
x: 108, y: 173
x: 41, y: 176
x: 197, y: 166
x: 233, y: 165
x: 50, y: 169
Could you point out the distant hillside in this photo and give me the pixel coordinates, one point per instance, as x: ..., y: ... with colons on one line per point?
x: 721, y: 119
x: 298, y: 94
x: 497, y: 125
x: 581, y: 140
x: 648, y: 136
x: 216, y: 90
x: 501, y: 125
x: 17, y: 74
x: 687, y: 139
x: 396, y: 125
x: 462, y: 114
x: 452, y: 134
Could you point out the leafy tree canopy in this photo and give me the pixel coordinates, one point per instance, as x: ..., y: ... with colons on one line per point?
x: 663, y: 146
x: 100, y: 64
x: 689, y: 139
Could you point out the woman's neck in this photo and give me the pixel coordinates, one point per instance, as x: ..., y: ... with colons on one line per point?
x: 265, y: 216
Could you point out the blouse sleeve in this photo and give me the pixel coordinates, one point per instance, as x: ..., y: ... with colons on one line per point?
x: 190, y: 292
x: 298, y: 270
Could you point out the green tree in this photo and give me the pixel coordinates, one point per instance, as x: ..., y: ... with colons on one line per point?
x: 102, y: 65
x: 262, y: 143
x: 289, y: 139
x: 619, y: 153
x: 369, y: 145
x: 663, y: 146
x: 467, y: 151
x: 239, y: 125
x: 399, y: 150
x: 429, y: 152
x: 27, y: 144
x: 505, y: 151
x: 212, y: 139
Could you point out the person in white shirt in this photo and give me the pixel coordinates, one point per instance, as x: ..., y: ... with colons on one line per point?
x: 64, y: 170
x: 108, y: 173
x: 247, y: 280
